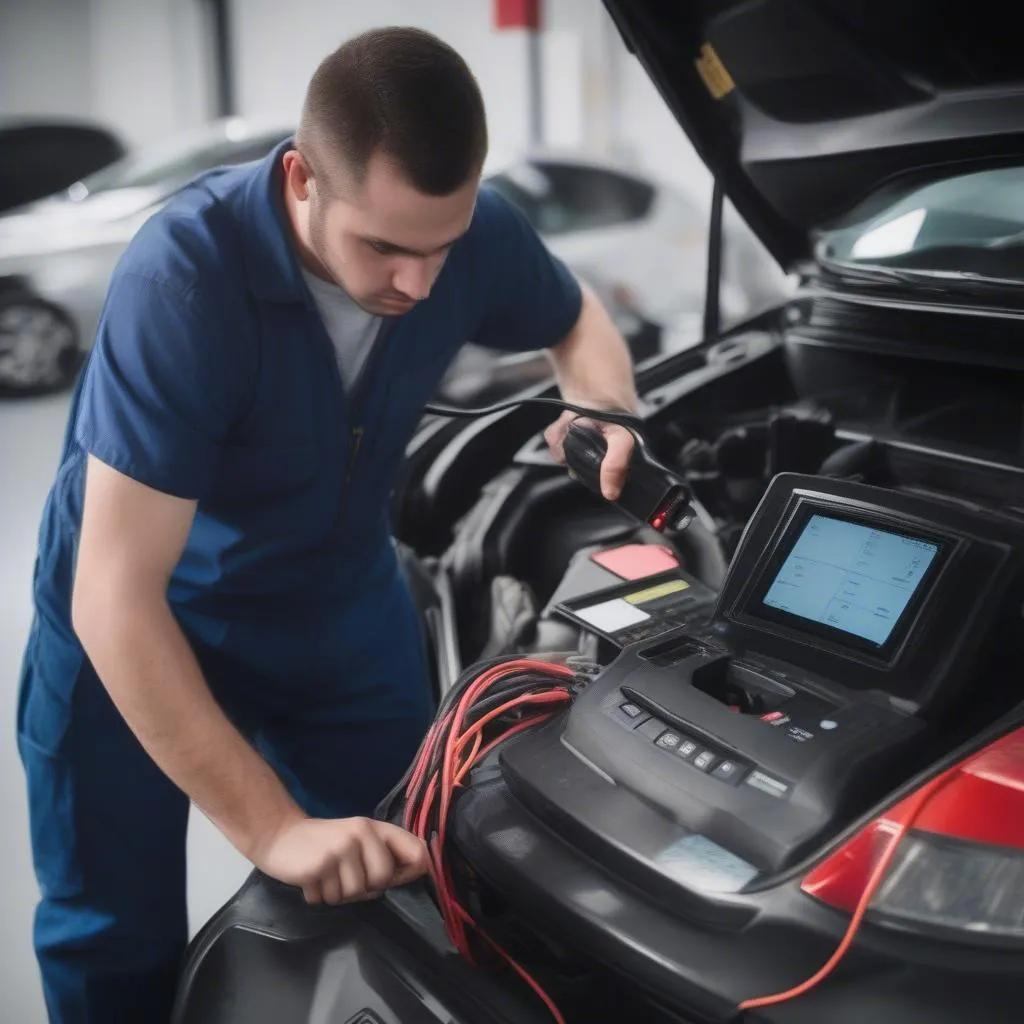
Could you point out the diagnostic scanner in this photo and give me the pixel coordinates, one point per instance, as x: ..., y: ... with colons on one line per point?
x: 652, y: 493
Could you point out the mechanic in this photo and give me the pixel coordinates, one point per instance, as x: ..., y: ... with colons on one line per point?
x: 221, y: 617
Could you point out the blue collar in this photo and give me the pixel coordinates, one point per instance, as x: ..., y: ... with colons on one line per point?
x: 272, y: 266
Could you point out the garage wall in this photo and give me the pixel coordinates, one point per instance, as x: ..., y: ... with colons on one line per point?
x: 45, y: 63
x: 277, y: 48
x: 595, y: 94
x: 139, y: 65
x: 149, y: 65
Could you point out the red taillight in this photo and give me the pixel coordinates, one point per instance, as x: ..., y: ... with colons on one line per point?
x: 960, y: 866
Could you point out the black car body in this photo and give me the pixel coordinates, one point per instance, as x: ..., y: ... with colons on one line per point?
x: 878, y: 150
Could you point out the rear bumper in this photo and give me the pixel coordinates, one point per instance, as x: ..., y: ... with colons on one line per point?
x: 267, y: 957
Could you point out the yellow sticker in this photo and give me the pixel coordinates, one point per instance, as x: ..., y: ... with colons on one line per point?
x: 661, y: 590
x: 710, y: 68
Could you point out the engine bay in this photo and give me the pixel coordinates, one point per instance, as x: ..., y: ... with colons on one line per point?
x: 748, y: 710
x: 728, y: 420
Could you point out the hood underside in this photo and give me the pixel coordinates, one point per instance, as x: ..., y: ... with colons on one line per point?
x: 806, y: 110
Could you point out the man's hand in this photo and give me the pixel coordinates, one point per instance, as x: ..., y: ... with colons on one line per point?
x: 342, y: 860
x: 616, y: 461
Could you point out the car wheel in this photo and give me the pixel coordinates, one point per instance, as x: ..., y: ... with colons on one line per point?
x: 39, y: 348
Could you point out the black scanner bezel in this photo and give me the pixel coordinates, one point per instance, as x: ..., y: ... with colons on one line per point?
x: 751, y: 608
x: 918, y: 666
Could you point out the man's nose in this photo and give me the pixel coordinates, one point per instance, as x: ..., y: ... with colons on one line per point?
x: 414, y: 278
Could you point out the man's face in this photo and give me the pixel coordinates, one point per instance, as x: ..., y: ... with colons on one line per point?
x: 382, y: 241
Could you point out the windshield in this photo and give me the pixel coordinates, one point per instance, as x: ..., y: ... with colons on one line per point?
x: 175, y: 163
x: 970, y: 226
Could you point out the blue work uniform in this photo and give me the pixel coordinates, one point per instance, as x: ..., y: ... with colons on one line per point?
x: 213, y: 378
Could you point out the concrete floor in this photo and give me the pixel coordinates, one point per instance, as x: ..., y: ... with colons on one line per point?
x: 31, y: 432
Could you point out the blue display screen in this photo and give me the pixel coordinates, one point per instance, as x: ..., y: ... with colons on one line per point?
x: 852, y: 577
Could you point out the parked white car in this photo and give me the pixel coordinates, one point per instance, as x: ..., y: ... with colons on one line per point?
x: 57, y: 254
x: 642, y: 240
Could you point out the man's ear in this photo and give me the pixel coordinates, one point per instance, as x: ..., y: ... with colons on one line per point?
x: 298, y: 177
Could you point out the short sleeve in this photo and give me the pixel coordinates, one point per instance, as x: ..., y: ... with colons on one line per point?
x: 532, y: 298
x: 160, y: 390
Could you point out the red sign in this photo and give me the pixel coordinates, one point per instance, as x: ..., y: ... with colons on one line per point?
x: 517, y: 14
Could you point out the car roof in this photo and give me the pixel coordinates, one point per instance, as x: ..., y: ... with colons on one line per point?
x: 498, y: 161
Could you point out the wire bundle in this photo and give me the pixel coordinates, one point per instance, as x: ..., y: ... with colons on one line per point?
x: 491, y: 703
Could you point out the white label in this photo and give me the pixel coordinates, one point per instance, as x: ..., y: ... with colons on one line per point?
x: 700, y: 863
x: 613, y: 615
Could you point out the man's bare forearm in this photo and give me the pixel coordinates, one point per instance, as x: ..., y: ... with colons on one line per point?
x: 593, y: 363
x: 154, y: 679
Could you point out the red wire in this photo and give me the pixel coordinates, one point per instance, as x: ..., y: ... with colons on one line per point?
x: 477, y: 687
x: 412, y: 791
x: 908, y: 817
x: 439, y: 871
x: 440, y: 874
x: 529, y: 724
x: 449, y: 762
x: 463, y: 748
x: 554, y: 696
x: 532, y: 982
x: 420, y: 828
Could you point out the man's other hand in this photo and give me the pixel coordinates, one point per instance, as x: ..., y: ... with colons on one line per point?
x: 342, y: 860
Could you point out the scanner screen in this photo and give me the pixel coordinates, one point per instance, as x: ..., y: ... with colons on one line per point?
x: 855, y: 578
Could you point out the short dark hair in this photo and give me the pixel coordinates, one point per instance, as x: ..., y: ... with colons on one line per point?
x: 402, y: 92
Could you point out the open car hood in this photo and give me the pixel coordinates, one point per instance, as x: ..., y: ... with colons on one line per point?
x: 806, y: 109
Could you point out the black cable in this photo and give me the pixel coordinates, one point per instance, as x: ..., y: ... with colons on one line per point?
x: 587, y: 454
x: 623, y: 419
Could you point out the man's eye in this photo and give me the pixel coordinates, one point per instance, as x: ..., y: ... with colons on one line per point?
x: 383, y: 248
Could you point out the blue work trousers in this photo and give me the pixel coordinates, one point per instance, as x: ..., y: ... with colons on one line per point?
x: 108, y: 828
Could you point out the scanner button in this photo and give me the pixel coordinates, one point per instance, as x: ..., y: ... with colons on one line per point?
x: 669, y: 740
x: 705, y: 760
x: 728, y: 771
x: 768, y: 784
x: 687, y: 749
x: 629, y: 720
